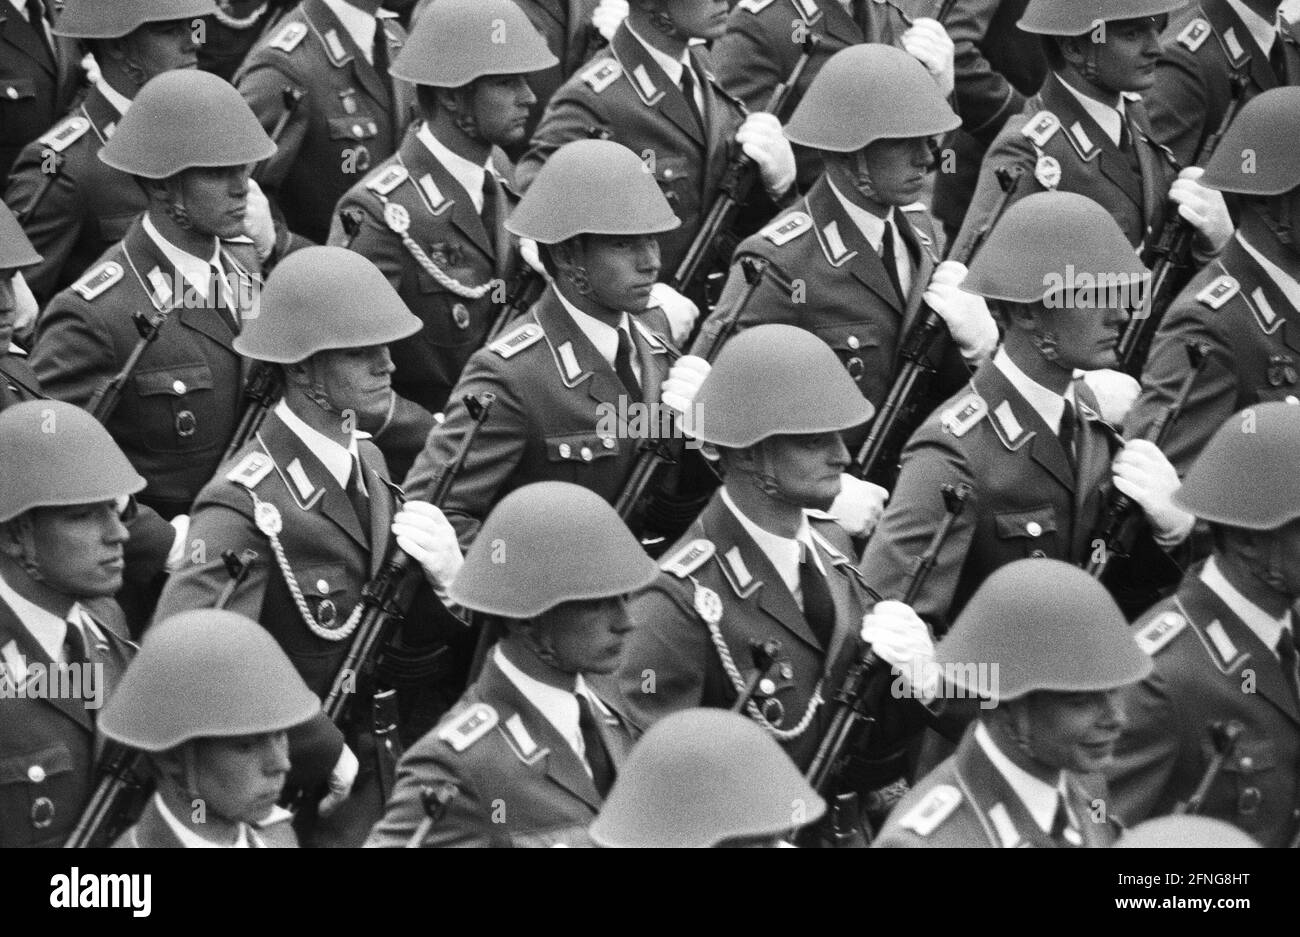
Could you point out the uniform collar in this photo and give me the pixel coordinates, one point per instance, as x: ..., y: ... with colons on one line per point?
x: 602, y: 335
x: 191, y: 840
x: 1039, y: 797
x: 360, y: 25
x: 1108, y: 117
x: 114, y: 97
x: 196, y: 271
x: 1261, y: 30
x: 1046, y: 403
x: 783, y: 553
x: 49, y: 630
x: 872, y: 228
x: 471, y: 176
x: 672, y: 67
x: 1287, y: 284
x: 1267, y: 628
x: 338, y: 460
x: 560, y: 707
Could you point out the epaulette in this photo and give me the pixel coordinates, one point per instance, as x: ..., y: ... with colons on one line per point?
x: 1041, y: 127
x: 289, y: 37
x: 515, y: 341
x: 689, y: 558
x: 786, y: 229
x: 755, y: 6
x: 965, y: 413
x: 251, y: 470
x: 469, y: 726
x: 1194, y: 34
x: 388, y: 180
x: 98, y: 280
x: 934, y: 808
x: 1219, y: 292
x: 1160, y: 631
x: 602, y: 74
x: 64, y: 134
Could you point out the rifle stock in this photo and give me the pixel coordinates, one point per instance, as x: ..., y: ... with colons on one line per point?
x: 106, y: 398
x: 263, y: 389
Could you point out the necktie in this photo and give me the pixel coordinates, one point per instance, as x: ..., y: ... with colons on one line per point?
x: 1286, y: 651
x: 1066, y: 432
x: 623, y: 366
x: 360, y: 500
x: 489, y: 212
x: 74, y: 645
x: 224, y: 298
x: 36, y: 16
x: 602, y: 769
x: 1277, y: 59
x: 379, y: 51
x: 862, y: 16
x: 889, y: 257
x: 818, y: 606
x: 688, y: 90
x: 1062, y: 833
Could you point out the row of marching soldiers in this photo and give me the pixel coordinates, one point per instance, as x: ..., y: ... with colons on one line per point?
x: 963, y: 581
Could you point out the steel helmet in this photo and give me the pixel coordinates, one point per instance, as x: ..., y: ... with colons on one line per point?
x: 1186, y: 831
x: 1258, y: 153
x: 15, y: 249
x: 112, y: 19
x: 1075, y: 17
x: 455, y: 41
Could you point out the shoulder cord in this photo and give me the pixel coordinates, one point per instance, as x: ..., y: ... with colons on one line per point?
x: 238, y: 23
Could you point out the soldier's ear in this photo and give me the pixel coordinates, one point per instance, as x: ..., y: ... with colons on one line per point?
x: 11, y: 539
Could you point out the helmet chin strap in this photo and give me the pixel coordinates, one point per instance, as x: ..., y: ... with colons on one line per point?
x: 175, y: 206
x: 27, y: 539
x: 862, y: 177
x: 766, y: 481
x: 1277, y: 215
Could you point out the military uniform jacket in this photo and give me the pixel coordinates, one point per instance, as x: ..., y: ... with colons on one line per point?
x: 1209, y: 667
x: 1201, y: 47
x: 566, y: 26
x: 17, y: 380
x: 518, y: 782
x: 454, y: 238
x: 1060, y: 147
x: 556, y: 416
x: 966, y: 802
x: 88, y: 206
x: 825, y: 277
x: 35, y: 87
x: 348, y: 120
x: 624, y: 95
x: 47, y: 742
x: 1025, y: 499
x: 179, y: 407
x: 1254, y: 337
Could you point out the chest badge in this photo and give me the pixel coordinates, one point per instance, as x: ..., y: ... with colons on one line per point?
x: 708, y: 604
x: 267, y: 518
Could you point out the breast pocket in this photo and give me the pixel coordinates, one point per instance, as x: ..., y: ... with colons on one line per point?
x: 36, y: 791
x: 176, y: 408
x: 355, y: 134
x: 675, y: 179
x: 1251, y: 778
x: 860, y: 349
x: 1030, y: 533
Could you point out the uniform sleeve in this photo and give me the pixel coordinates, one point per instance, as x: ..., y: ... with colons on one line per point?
x: 466, y: 822
x: 374, y: 241
x: 769, y: 304
x: 263, y: 87
x: 665, y: 657
x: 1177, y: 103
x: 73, y: 355
x: 1147, y: 752
x: 743, y: 61
x: 56, y: 224
x: 150, y: 543
x: 567, y: 118
x: 1011, y: 149
x: 985, y: 98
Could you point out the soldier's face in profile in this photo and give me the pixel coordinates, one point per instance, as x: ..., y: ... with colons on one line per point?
x: 1085, y: 337
x: 240, y: 778
x: 808, y: 467
x: 355, y: 379
x: 696, y: 19
x: 897, y: 169
x: 1073, y: 731
x: 1126, y: 61
x: 164, y: 47
x: 78, y: 549
x: 622, y: 269
x: 216, y: 199
x: 587, y: 637
x: 500, y: 108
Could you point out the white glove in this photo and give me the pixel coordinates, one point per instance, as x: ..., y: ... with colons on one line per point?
x: 681, y: 312
x: 528, y: 251
x: 761, y: 138
x: 258, y: 224
x: 91, y: 68
x: 966, y: 315
x: 684, y: 379
x: 1203, y: 208
x: 341, y: 780
x: 607, y: 16
x: 1116, y: 392
x: 927, y: 41
x: 1144, y: 474
x: 176, y: 556
x: 859, y: 505
x: 427, y: 537
x: 26, y: 308
x: 900, y: 638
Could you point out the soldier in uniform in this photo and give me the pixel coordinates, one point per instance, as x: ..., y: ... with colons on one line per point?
x: 1087, y: 131
x: 432, y: 217
x: 567, y: 376
x: 705, y: 778
x: 62, y: 638
x: 764, y: 561
x: 1027, y: 773
x: 1204, y: 46
x: 189, y: 137
x: 209, y: 700
x: 531, y: 750
x: 763, y: 42
x: 1026, y: 437
x: 1225, y: 645
x: 312, y: 499
x: 232, y: 31
x: 17, y: 309
x: 321, y: 79
x: 1245, y: 306
x: 73, y: 206
x: 39, y: 75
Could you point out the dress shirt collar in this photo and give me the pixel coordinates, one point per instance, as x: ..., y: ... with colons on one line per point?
x: 601, y: 334
x: 783, y: 553
x: 1261, y: 30
x: 192, y: 840
x: 872, y: 227
x: 560, y: 707
x: 1039, y: 797
x: 114, y: 97
x: 672, y: 67
x: 471, y: 176
x: 196, y: 271
x: 338, y: 460
x: 49, y: 630
x: 359, y: 24
x: 1109, y: 117
x: 1046, y: 403
x: 1267, y: 628
x: 1288, y: 284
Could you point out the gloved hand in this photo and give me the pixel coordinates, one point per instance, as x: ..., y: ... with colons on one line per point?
x: 858, y: 506
x: 425, y: 535
x: 91, y: 68
x: 684, y: 379
x: 341, y: 780
x: 965, y: 314
x: 607, y: 16
x: 927, y: 41
x: 1203, y: 208
x: 25, y: 311
x: 900, y: 638
x: 1142, y: 472
x: 681, y: 312
x: 176, y: 556
x: 761, y: 138
x: 1116, y: 392
x: 528, y: 251
x: 258, y: 223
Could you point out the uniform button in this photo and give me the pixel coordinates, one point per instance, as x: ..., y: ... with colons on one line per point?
x: 787, y: 672
x: 766, y: 687
x: 586, y: 454
x: 12, y: 92
x: 1247, y: 763
x: 178, y: 386
x: 608, y: 442
x: 36, y: 774
x: 1292, y: 399
x: 357, y: 131
x: 1033, y: 528
x: 668, y: 173
x: 564, y: 450
x: 322, y: 585
x: 853, y: 342
x: 1038, y: 555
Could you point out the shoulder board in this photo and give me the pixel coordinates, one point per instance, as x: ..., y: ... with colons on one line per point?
x: 388, y: 180
x: 251, y: 470
x: 1219, y: 292
x: 1157, y: 633
x: 468, y: 727
x: 1041, y: 127
x: 965, y: 413
x: 689, y: 558
x: 755, y: 6
x: 1194, y: 34
x: 786, y: 229
x: 510, y: 344
x: 603, y: 74
x: 934, y: 808
x: 65, y: 134
x: 98, y: 280
x: 288, y: 38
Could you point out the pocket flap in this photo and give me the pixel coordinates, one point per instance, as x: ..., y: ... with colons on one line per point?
x: 580, y: 447
x: 1031, y: 523
x: 353, y: 127
x: 176, y: 380
x: 17, y: 89
x: 40, y: 764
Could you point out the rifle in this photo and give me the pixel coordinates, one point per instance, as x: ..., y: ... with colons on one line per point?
x: 435, y: 801
x: 121, y: 768
x: 1172, y: 255
x: 350, y: 220
x: 885, y: 435
x: 43, y: 189
x: 1115, y: 529
x: 525, y: 289
x: 850, y: 716
x: 765, y: 655
x: 736, y: 184
x: 1224, y: 737
x: 106, y: 398
x: 264, y: 387
x: 292, y: 97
